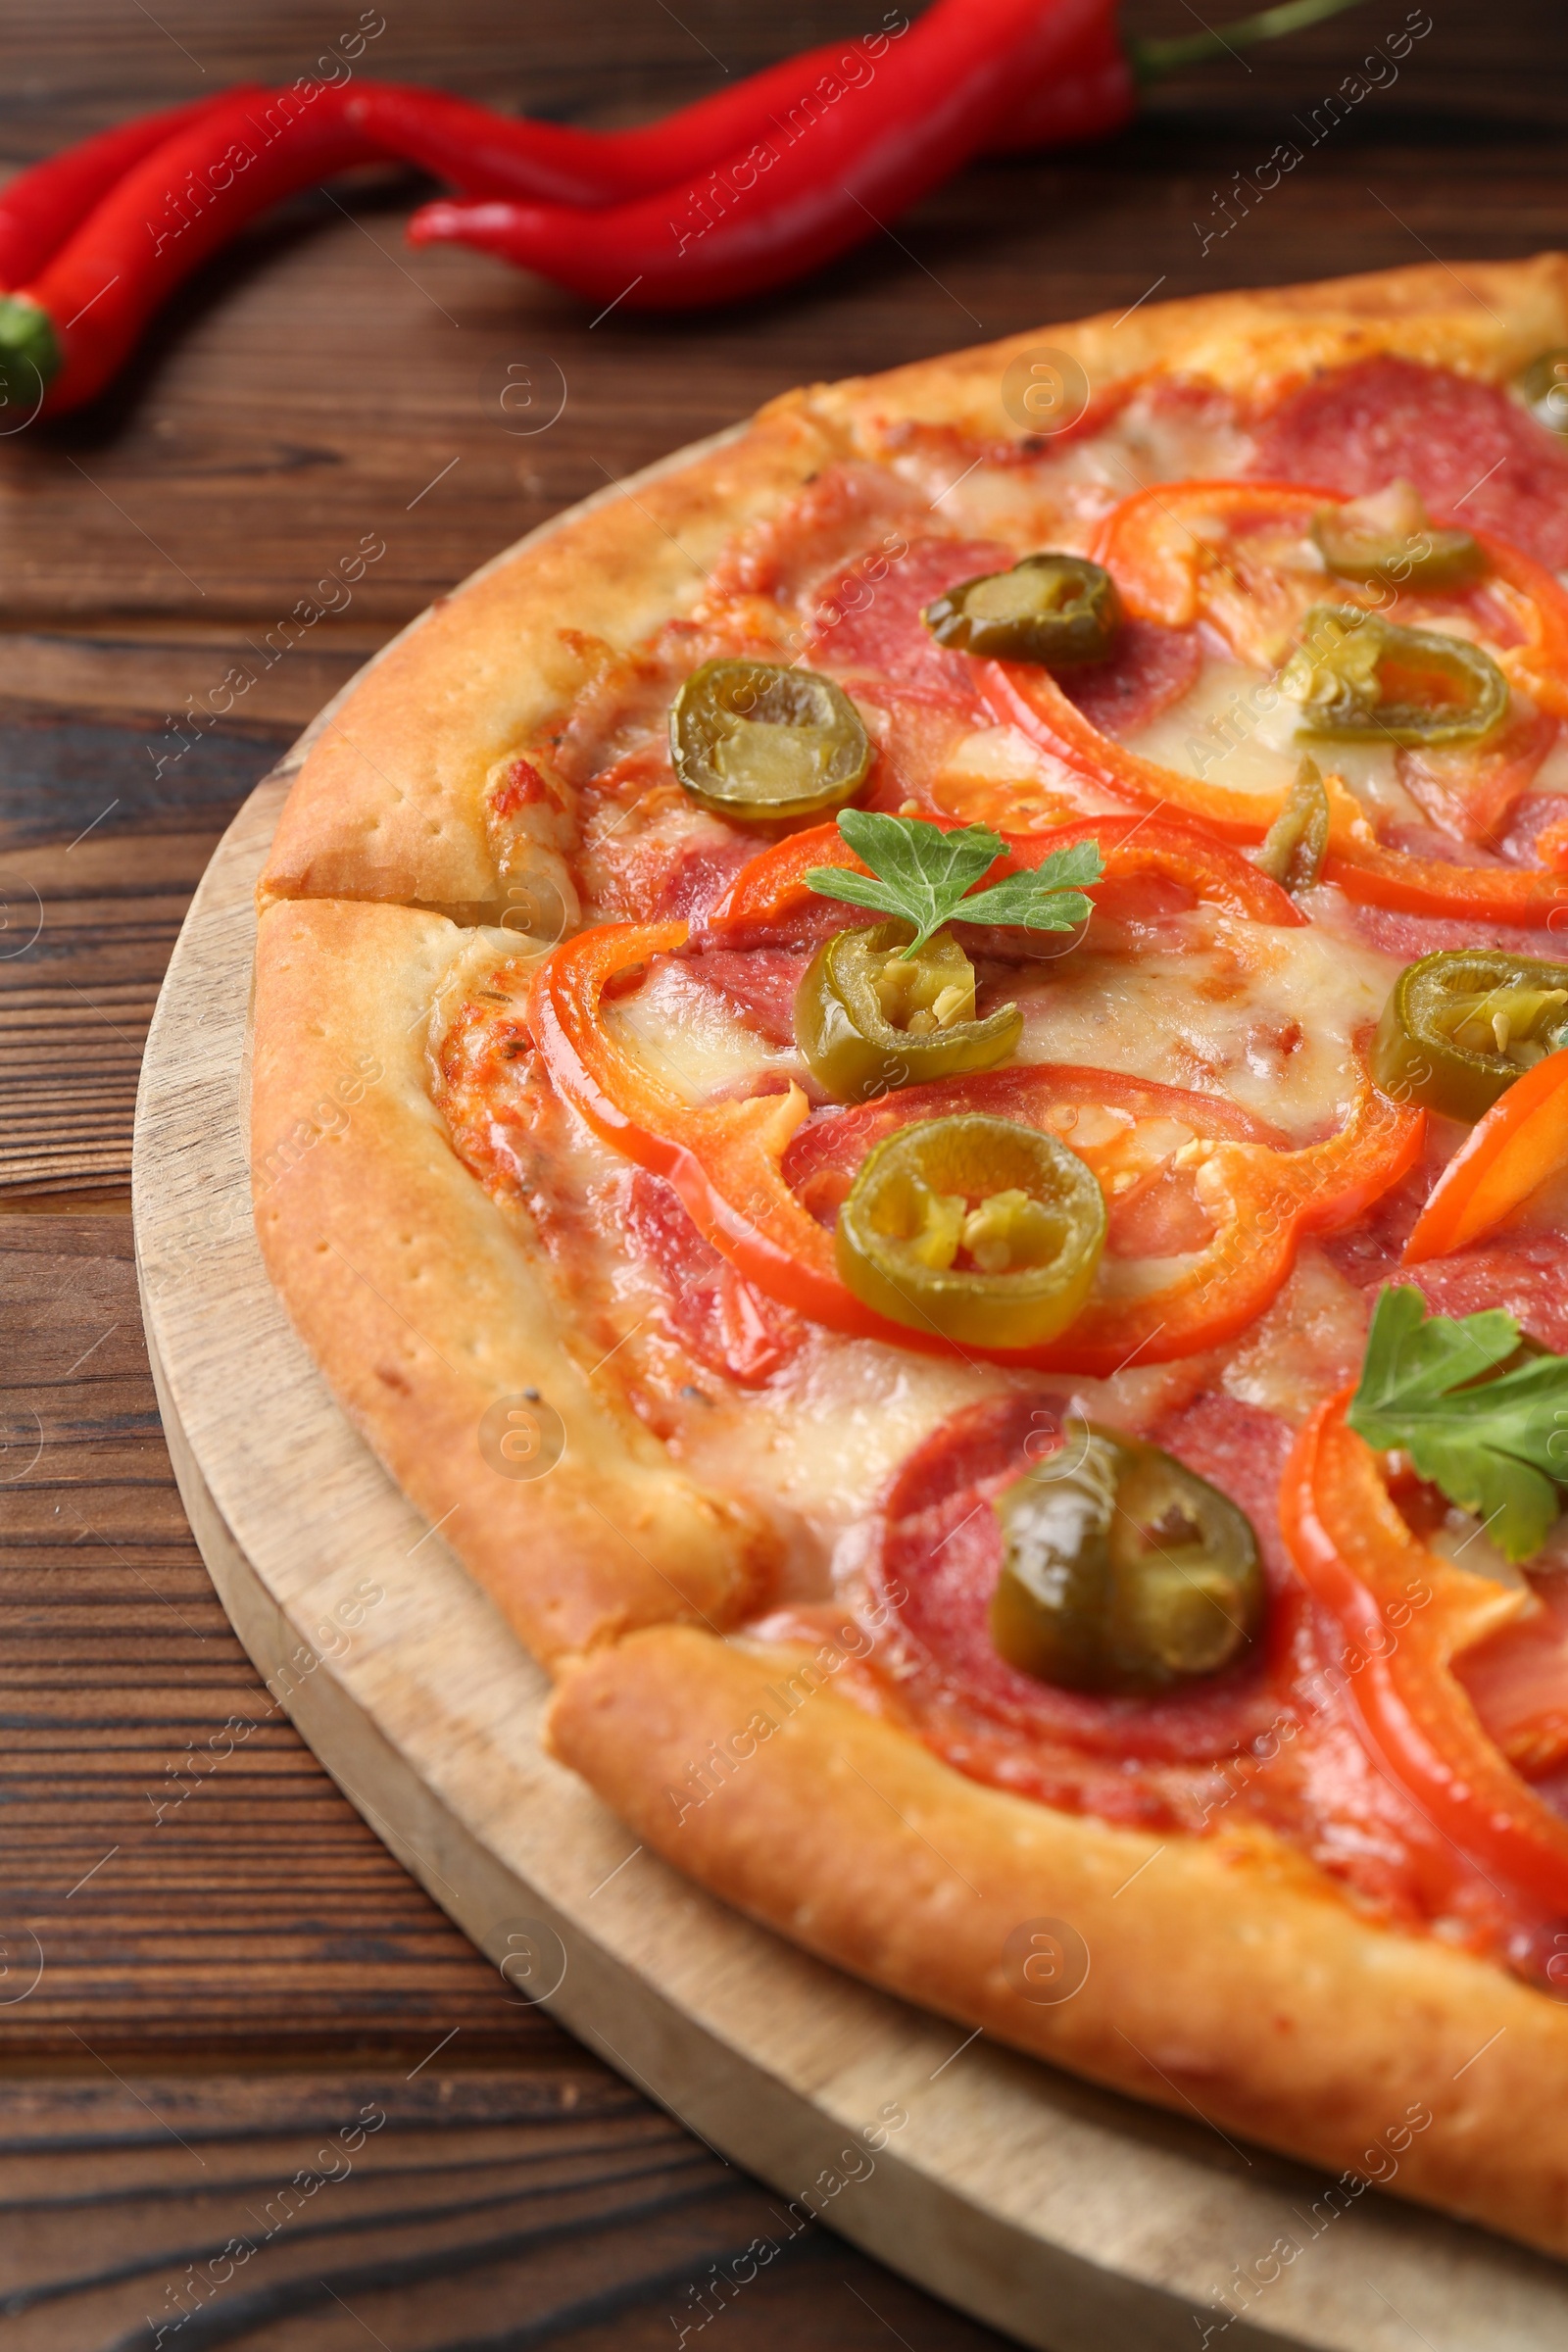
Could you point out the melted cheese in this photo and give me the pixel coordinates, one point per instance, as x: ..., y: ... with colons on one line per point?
x: 1233, y: 728
x: 812, y: 1450
x: 1306, y: 1348
x: 1059, y: 499
x: 998, y: 777
x: 1266, y: 1015
x: 692, y: 1039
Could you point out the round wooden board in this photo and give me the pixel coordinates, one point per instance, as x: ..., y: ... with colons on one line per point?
x: 1074, y: 2219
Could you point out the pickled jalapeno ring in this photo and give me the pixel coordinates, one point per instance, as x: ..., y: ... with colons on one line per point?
x: 1461, y: 1025
x: 1123, y: 1571
x: 1389, y: 537
x: 1359, y: 678
x: 1544, y: 386
x: 867, y: 1018
x: 760, y: 743
x: 978, y: 1228
x: 1059, y: 611
x: 1293, y: 850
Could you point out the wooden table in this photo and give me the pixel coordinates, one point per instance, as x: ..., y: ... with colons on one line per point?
x: 217, y: 1982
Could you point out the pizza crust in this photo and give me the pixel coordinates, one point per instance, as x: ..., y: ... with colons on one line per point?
x: 422, y: 1305
x: 389, y: 802
x: 1487, y: 321
x: 1226, y: 1978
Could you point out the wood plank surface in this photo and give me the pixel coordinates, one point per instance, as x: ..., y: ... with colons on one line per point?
x: 247, y: 1963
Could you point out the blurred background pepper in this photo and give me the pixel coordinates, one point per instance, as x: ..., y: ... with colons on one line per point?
x: 736, y: 194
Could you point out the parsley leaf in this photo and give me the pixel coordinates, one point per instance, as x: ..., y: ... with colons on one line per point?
x: 1498, y: 1448
x: 920, y: 875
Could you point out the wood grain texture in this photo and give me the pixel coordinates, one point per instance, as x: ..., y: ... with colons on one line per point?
x: 442, y: 2213
x: 299, y: 396
x: 99, y: 853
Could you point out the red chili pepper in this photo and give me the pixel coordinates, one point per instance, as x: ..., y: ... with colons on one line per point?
x: 551, y: 162
x: 76, y: 323
x: 797, y: 197
x: 1087, y: 94
x: 39, y: 207
x: 1093, y: 96
x: 971, y: 75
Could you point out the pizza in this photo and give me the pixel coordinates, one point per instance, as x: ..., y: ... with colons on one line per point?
x: 910, y: 1076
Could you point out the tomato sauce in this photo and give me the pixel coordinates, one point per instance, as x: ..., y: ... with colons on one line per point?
x: 1150, y: 670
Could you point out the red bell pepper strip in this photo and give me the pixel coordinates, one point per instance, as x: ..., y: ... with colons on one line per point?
x: 40, y: 207
x: 1173, y: 574
x: 77, y: 319
x: 794, y: 199
x: 726, y: 1162
x: 1171, y: 570
x: 774, y: 887
x: 1362, y: 1567
x: 1520, y: 1142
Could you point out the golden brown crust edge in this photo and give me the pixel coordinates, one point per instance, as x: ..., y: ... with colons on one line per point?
x: 418, y: 1299
x: 1484, y: 319
x: 1225, y: 1974
x: 388, y: 803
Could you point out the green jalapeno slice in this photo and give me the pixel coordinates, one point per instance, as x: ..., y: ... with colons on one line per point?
x: 1059, y: 611
x: 977, y: 1228
x: 1293, y: 850
x: 1389, y: 537
x: 1359, y: 678
x: 1123, y: 1571
x: 1544, y: 386
x: 1460, y: 1026
x: 760, y: 743
x: 868, y: 1018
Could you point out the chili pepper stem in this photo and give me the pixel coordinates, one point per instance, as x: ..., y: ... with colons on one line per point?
x: 1154, y: 59
x: 29, y: 350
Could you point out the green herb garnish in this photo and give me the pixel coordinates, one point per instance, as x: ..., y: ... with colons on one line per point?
x: 920, y: 875
x: 1497, y: 1447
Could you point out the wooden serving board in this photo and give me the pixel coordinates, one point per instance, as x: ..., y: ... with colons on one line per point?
x: 1075, y: 2220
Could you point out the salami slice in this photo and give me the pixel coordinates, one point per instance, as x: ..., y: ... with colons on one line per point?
x: 721, y: 1319
x: 1150, y: 670
x: 867, y: 616
x: 1477, y: 457
x: 942, y: 1550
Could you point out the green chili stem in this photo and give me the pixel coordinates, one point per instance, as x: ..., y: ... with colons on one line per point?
x: 29, y: 352
x: 1152, y: 60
